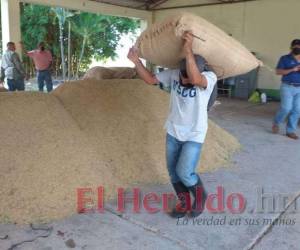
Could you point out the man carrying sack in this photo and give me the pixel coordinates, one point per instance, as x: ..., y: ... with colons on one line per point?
x: 191, y: 86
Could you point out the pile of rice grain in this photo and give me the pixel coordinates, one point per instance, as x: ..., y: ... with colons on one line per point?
x: 85, y: 134
x: 44, y: 158
x: 100, y: 73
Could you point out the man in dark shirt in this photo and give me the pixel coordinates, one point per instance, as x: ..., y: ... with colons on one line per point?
x: 289, y: 68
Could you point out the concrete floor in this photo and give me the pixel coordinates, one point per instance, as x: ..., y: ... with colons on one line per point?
x: 266, y: 161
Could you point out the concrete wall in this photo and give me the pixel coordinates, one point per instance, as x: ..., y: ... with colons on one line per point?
x: 263, y: 26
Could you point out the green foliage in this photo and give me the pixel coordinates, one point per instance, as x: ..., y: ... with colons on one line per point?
x: 92, y: 35
x: 35, y: 24
x: 62, y: 14
x: 100, y: 35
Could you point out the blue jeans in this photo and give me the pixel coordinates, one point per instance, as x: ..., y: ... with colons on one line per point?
x: 42, y: 77
x: 14, y: 85
x: 182, y: 160
x: 290, y: 106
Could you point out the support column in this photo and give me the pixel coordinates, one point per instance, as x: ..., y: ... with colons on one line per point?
x: 11, y: 23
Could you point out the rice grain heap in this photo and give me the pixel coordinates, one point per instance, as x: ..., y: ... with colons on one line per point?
x: 85, y: 134
x: 100, y: 73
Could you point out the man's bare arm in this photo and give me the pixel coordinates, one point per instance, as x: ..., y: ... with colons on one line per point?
x: 284, y: 72
x: 195, y: 76
x: 142, y: 71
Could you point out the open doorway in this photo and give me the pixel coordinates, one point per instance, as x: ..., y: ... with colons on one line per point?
x: 77, y: 40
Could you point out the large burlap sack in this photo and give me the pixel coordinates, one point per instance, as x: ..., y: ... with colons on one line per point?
x: 100, y: 73
x: 161, y: 44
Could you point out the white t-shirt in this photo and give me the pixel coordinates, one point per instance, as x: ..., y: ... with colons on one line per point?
x: 7, y: 64
x: 187, y: 119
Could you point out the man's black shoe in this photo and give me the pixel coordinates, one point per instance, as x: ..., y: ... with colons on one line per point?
x: 200, y: 197
x: 184, y: 202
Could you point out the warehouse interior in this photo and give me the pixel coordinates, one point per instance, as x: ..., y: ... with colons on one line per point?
x: 94, y: 134
x: 244, y: 20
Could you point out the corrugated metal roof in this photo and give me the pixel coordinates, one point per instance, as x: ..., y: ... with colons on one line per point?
x: 165, y: 4
x: 136, y: 4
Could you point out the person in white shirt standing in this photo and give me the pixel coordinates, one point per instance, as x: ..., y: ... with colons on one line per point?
x: 12, y: 69
x: 191, y: 87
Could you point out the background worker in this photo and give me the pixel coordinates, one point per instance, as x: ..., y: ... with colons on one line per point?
x: 42, y: 59
x: 289, y: 68
x: 12, y: 69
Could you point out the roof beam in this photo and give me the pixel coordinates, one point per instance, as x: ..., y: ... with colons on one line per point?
x: 204, y: 4
x: 95, y: 7
x: 115, y: 4
x: 151, y: 4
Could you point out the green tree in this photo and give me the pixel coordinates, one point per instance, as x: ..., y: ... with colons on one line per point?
x: 88, y: 25
x: 100, y: 35
x: 62, y: 15
x: 93, y: 36
x: 35, y: 24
